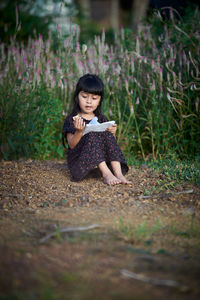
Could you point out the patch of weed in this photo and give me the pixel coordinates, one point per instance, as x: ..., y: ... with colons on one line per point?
x: 9, y: 297
x: 190, y: 229
x: 139, y: 232
x: 70, y: 277
x: 177, y: 170
x: 58, y: 235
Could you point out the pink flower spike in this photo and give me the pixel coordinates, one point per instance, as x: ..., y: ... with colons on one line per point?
x: 132, y: 109
x: 137, y: 101
x: 66, y: 42
x: 77, y: 47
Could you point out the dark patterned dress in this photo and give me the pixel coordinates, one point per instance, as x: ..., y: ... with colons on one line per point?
x: 92, y: 149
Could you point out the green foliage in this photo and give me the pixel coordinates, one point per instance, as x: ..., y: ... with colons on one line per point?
x: 189, y: 230
x: 147, y: 233
x: 30, y: 125
x: 139, y: 232
x: 168, y: 110
x: 151, y: 90
x: 176, y: 169
x: 16, y: 19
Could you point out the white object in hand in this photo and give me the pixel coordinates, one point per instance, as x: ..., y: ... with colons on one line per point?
x: 98, y: 127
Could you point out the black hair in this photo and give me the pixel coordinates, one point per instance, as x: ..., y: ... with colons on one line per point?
x: 92, y: 84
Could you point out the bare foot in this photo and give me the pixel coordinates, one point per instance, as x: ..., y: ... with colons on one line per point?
x: 118, y: 172
x: 110, y: 179
x: 108, y: 176
x: 123, y: 179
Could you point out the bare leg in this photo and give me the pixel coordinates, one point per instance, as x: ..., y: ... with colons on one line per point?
x: 108, y: 176
x: 116, y: 166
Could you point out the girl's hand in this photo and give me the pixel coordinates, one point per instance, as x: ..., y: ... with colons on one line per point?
x: 79, y: 124
x: 112, y: 129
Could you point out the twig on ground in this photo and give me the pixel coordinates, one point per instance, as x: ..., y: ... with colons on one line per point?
x: 185, y: 192
x: 165, y: 195
x: 144, y: 197
x: 68, y: 229
x: 154, y: 281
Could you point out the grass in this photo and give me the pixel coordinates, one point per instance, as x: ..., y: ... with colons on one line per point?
x: 147, y: 233
x: 174, y: 169
x: 139, y: 232
x: 191, y: 228
x: 178, y: 170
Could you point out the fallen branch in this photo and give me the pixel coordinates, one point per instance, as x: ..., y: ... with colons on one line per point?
x: 144, y: 197
x: 154, y: 281
x: 165, y: 195
x: 185, y: 192
x: 68, y: 229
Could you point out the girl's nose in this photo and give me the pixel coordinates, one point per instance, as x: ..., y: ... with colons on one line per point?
x: 89, y: 99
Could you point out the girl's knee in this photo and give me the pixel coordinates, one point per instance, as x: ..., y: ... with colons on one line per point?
x: 94, y: 135
x: 90, y: 136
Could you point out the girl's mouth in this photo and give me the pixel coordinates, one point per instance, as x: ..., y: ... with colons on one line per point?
x: 88, y: 107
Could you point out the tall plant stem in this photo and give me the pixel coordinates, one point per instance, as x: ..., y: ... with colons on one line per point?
x: 138, y: 132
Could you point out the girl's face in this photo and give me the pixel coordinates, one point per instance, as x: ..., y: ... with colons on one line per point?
x: 88, y: 102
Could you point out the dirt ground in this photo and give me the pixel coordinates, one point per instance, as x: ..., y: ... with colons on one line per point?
x: 144, y: 240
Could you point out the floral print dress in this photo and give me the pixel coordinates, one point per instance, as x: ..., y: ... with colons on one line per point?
x: 92, y: 149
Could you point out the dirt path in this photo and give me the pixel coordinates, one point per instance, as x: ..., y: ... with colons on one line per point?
x: 147, y: 233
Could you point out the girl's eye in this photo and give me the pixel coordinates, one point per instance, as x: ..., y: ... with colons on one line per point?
x: 95, y: 98
x: 85, y: 96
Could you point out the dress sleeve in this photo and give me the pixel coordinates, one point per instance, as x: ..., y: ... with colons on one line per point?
x: 102, y: 118
x: 67, y: 127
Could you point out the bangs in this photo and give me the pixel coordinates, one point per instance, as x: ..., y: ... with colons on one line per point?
x: 91, y: 85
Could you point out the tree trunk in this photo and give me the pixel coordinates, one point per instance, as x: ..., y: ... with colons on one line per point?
x: 114, y: 17
x: 86, y: 8
x: 139, y: 9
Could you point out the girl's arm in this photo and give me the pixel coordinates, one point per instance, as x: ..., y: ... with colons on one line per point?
x: 112, y: 129
x: 73, y: 139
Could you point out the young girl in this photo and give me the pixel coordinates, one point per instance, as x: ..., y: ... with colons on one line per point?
x: 94, y: 149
